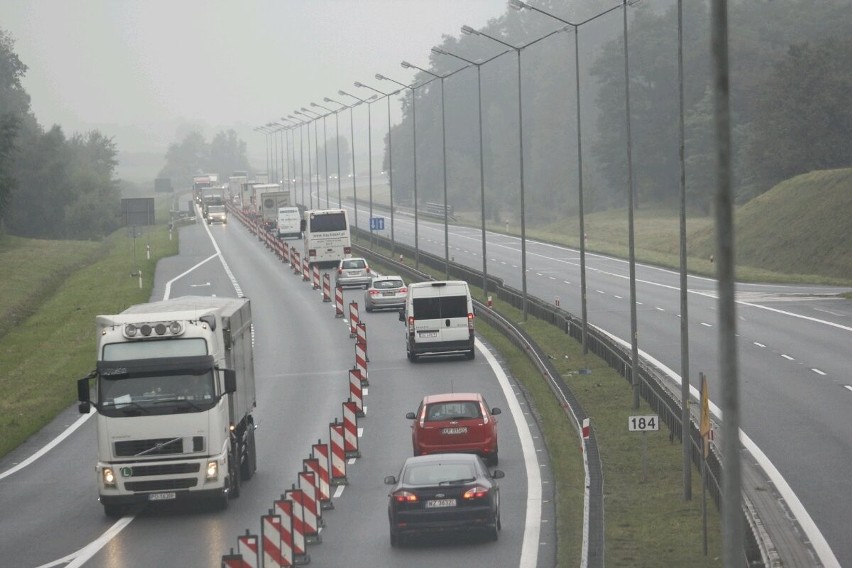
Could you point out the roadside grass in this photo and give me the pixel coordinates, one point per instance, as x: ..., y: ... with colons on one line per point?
x: 43, y: 354
x: 647, y: 522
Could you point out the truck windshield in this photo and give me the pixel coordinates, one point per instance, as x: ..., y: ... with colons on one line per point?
x: 161, y: 393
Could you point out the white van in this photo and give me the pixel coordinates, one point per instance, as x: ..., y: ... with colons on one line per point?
x: 438, y: 318
x: 289, y: 222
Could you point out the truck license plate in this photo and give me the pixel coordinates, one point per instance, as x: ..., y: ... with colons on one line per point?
x: 168, y: 496
x: 428, y: 334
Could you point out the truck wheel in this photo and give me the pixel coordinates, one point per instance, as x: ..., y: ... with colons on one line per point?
x: 250, y: 465
x: 234, y: 474
x: 114, y: 511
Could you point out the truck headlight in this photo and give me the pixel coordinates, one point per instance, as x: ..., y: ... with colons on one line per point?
x: 108, y: 477
x: 212, y: 470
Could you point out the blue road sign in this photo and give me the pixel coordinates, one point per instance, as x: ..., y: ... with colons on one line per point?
x: 377, y: 223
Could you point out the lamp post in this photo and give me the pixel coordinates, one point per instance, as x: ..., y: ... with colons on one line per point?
x: 390, y: 155
x: 352, y: 147
x: 414, y: 165
x: 325, y: 148
x: 301, y: 154
x: 314, y: 119
x: 264, y: 130
x: 467, y: 30
x: 369, y: 102
x: 287, y: 141
x: 308, y: 121
x: 478, y: 65
x: 407, y: 65
x: 337, y: 131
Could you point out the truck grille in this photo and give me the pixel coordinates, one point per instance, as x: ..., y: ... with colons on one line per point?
x: 161, y: 485
x: 165, y: 469
x: 158, y: 447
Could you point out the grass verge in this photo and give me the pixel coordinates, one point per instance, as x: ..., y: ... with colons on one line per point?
x: 42, y: 356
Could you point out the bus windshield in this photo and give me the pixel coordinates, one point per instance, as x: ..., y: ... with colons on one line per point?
x: 328, y: 222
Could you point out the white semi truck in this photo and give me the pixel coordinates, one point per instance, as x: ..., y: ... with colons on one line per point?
x: 174, y: 394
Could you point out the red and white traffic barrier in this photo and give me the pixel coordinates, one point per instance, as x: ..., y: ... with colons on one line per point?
x: 353, y: 318
x: 326, y: 287
x: 361, y: 337
x: 350, y: 430
x: 285, y: 252
x: 306, y: 270
x: 300, y: 536
x: 356, y: 392
x: 323, y: 489
x: 296, y: 262
x: 338, y: 302
x: 233, y: 560
x: 247, y: 546
x: 316, y: 276
x: 270, y: 536
x: 313, y: 513
x: 319, y: 451
x: 337, y: 454
x: 361, y: 364
x: 284, y: 509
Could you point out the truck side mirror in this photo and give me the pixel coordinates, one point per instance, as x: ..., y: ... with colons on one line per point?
x: 230, y: 380
x: 83, y: 395
x: 303, y: 225
x: 402, y: 315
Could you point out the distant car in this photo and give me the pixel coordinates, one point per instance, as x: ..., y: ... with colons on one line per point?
x: 385, y: 292
x: 353, y: 272
x: 455, y: 422
x: 443, y: 493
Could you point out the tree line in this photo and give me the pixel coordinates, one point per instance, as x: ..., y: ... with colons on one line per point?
x: 790, y: 82
x: 51, y: 185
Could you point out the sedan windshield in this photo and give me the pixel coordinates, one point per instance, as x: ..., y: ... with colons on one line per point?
x: 439, y: 473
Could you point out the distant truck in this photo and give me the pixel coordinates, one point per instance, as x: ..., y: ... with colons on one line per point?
x: 203, y: 181
x: 235, y: 183
x: 289, y: 222
x: 217, y: 214
x: 214, y: 195
x: 174, y: 395
x: 269, y: 198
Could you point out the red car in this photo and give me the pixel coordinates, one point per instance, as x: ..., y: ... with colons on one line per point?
x: 455, y: 422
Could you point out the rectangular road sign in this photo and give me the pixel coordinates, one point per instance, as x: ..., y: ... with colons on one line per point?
x: 649, y: 423
x: 377, y: 223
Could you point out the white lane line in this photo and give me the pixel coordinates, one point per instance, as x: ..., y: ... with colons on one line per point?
x: 705, y: 324
x: 532, y: 523
x: 759, y: 344
x: 818, y: 372
x: 787, y: 357
x: 338, y: 492
x: 848, y: 387
x: 93, y: 547
x: 659, y: 309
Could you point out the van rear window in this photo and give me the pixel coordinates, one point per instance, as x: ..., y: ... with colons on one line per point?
x: 440, y: 307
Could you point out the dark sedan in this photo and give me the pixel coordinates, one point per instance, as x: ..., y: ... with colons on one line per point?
x: 443, y: 493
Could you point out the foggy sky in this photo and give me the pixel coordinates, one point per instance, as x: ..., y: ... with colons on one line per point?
x: 142, y: 71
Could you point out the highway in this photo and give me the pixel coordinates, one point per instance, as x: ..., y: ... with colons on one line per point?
x: 302, y: 357
x: 793, y: 347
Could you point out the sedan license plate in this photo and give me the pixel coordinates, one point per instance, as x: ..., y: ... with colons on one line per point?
x: 454, y: 431
x: 428, y: 334
x: 388, y: 293
x: 162, y: 496
x: 438, y: 503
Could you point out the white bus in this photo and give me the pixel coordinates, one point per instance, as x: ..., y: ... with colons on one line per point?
x: 326, y: 234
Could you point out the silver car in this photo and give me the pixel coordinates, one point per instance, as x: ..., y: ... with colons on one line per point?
x: 353, y: 272
x: 385, y: 292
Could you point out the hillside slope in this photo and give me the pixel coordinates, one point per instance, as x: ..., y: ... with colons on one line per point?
x: 801, y: 226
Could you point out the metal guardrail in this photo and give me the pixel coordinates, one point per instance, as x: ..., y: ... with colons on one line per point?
x: 653, y: 385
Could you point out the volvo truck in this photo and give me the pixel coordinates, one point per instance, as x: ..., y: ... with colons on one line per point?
x: 174, y: 393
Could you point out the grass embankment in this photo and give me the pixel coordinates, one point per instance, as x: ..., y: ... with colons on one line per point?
x: 647, y: 522
x: 61, y: 286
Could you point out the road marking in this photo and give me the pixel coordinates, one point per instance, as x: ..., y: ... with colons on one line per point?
x: 659, y: 309
x: 705, y: 324
x: 532, y: 523
x: 848, y: 387
x: 787, y: 357
x: 818, y: 372
x: 759, y: 344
